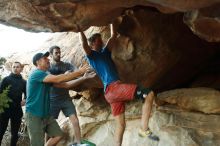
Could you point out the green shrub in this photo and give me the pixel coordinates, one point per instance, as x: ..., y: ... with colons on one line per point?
x: 4, y: 99
x: 2, y: 60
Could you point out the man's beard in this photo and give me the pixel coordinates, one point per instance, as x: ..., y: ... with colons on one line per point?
x: 57, y: 59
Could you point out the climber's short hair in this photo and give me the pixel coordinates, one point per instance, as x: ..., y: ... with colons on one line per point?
x: 94, y: 36
x: 52, y: 48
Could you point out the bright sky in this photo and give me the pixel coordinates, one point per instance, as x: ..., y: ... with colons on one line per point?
x: 17, y: 40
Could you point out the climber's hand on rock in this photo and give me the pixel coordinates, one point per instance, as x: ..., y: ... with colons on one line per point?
x: 119, y: 19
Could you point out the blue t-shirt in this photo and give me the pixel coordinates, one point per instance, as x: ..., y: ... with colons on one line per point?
x: 38, y: 94
x: 104, y: 66
x: 56, y: 69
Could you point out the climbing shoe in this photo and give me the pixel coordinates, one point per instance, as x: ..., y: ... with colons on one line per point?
x: 149, y: 134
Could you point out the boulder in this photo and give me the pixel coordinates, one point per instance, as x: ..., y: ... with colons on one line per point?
x: 205, y: 22
x: 193, y: 99
x: 58, y: 16
x: 180, y: 127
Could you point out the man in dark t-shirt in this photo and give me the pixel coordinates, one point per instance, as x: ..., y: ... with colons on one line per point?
x: 60, y: 99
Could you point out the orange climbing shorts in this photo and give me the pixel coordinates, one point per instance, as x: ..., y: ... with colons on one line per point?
x: 117, y: 93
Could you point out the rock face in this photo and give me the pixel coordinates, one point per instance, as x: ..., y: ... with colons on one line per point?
x: 159, y: 54
x: 59, y: 16
x: 173, y: 125
x: 196, y: 99
x: 209, y: 77
x: 205, y: 22
x: 185, y: 128
x: 177, y: 124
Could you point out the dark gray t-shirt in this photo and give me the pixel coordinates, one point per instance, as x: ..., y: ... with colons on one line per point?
x: 56, y: 69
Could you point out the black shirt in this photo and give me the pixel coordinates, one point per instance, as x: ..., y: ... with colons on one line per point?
x: 17, y: 87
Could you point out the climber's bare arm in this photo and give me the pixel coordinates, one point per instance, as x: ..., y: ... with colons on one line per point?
x: 113, y: 27
x: 84, y: 43
x: 111, y: 41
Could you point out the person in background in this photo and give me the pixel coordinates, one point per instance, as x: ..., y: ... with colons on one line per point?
x: 17, y: 88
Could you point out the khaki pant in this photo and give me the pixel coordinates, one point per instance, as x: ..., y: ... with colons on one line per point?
x: 37, y: 127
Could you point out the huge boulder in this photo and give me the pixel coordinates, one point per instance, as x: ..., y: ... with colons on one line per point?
x: 65, y: 15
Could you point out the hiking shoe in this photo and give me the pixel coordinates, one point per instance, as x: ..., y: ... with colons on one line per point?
x: 149, y: 134
x: 145, y: 133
